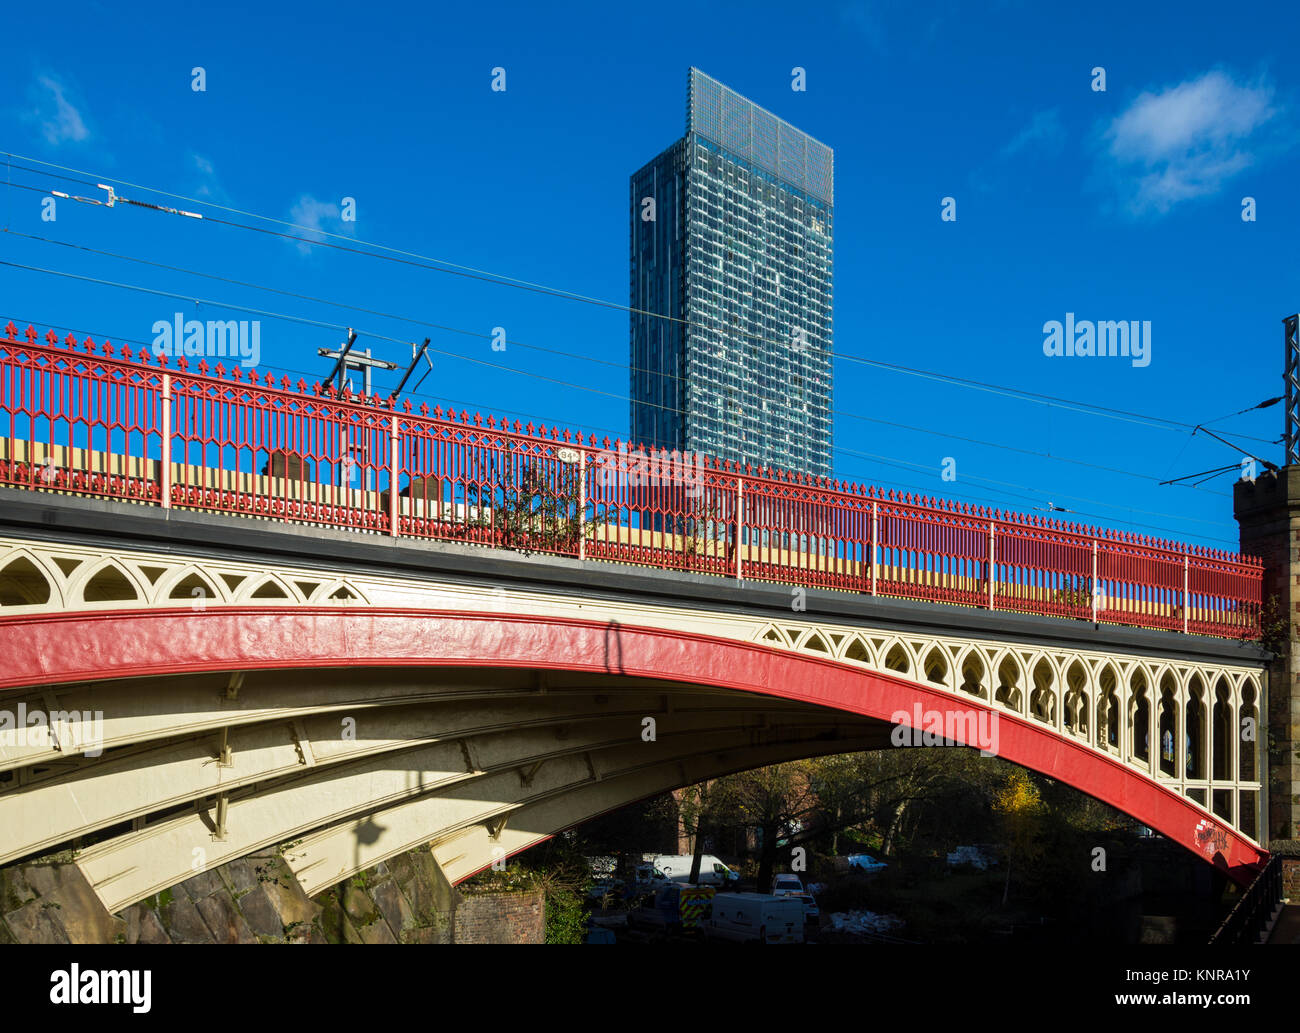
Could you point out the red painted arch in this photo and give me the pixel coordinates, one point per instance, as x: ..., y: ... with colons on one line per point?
x: 49, y: 649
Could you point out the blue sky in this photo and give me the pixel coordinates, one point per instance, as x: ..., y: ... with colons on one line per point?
x: 1117, y: 205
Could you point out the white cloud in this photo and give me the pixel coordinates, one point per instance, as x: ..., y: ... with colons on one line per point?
x: 1044, y: 132
x: 209, y: 185
x: 1186, y: 141
x: 1043, y: 136
x: 59, y: 119
x: 314, y: 217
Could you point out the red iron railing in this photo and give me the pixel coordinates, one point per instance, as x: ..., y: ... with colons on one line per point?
x: 91, y: 419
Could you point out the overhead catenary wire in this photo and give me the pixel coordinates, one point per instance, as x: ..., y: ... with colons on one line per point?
x: 445, y: 266
x: 333, y: 326
x: 305, y: 321
x: 425, y: 324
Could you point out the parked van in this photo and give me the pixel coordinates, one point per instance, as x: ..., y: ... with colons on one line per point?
x: 605, y: 869
x: 755, y: 918
x: 785, y: 883
x: 649, y: 875
x: 677, y: 867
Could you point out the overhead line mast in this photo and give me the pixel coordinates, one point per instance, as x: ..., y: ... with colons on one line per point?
x: 346, y: 360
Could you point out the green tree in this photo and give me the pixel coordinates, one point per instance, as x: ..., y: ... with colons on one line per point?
x: 777, y: 800
x: 1020, y: 809
x: 522, y: 503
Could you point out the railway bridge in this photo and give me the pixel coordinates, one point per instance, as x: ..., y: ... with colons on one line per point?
x: 236, y: 612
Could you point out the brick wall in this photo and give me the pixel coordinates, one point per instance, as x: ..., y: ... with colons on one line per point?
x: 1291, y: 878
x: 1268, y: 514
x: 501, y: 918
x: 1289, y: 851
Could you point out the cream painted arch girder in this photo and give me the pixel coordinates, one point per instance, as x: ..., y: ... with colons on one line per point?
x: 60, y: 803
x: 331, y: 854
x: 461, y: 785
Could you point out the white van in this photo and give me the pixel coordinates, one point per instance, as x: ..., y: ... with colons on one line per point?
x: 677, y: 867
x: 755, y: 918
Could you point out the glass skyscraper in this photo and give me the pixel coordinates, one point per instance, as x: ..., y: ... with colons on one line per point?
x: 731, y: 241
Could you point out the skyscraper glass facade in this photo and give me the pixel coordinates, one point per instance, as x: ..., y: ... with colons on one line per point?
x: 731, y: 242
